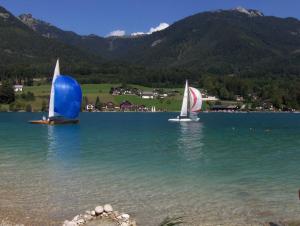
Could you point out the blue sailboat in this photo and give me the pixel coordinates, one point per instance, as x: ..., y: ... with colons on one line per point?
x: 65, y: 100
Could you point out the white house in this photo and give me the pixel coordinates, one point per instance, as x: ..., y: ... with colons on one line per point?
x: 18, y: 88
x: 147, y: 95
x: 209, y: 98
x: 90, y: 107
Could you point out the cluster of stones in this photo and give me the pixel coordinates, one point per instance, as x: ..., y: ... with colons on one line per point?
x: 105, y: 212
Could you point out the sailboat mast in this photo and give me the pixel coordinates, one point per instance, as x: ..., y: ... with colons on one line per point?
x: 188, y: 99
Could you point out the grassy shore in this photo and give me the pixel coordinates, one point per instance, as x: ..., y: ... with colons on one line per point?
x: 92, y: 91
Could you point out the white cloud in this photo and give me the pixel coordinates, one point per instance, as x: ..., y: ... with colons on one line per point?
x: 118, y: 33
x: 160, y: 27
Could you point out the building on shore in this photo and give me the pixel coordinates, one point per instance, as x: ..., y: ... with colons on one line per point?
x: 18, y: 88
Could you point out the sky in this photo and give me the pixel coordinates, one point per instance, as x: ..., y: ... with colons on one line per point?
x: 119, y: 17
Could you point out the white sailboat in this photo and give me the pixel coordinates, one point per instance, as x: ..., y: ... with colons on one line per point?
x: 191, y: 105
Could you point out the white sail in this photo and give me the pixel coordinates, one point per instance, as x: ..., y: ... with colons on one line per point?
x: 184, y: 107
x: 51, y: 104
x: 195, y: 99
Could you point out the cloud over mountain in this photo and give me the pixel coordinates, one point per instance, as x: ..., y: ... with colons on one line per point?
x: 160, y: 27
x: 118, y: 33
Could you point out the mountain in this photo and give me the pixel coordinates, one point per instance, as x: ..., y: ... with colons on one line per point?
x: 220, y: 42
x: 237, y: 41
x: 21, y: 47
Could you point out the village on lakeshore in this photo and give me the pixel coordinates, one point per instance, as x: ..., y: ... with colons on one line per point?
x: 34, y: 97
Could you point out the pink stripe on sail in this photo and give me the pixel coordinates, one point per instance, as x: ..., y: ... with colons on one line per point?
x: 194, y: 97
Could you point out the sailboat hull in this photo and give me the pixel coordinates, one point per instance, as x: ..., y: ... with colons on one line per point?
x: 55, y: 122
x: 183, y: 120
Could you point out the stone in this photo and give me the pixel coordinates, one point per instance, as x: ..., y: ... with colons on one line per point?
x: 99, y: 210
x: 125, y: 216
x: 93, y: 213
x: 69, y: 223
x: 108, y: 208
x: 76, y: 218
x: 124, y: 224
x: 80, y: 221
x: 88, y: 217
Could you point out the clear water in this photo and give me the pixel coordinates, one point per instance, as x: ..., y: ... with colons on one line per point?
x: 227, y: 169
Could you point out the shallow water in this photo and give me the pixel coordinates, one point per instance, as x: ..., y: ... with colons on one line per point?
x: 227, y: 169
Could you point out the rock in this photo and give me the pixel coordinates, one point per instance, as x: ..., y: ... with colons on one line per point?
x: 80, y: 221
x: 76, y: 218
x: 88, y: 217
x: 108, y: 208
x: 125, y: 216
x: 93, y: 213
x: 69, y: 223
x: 124, y: 224
x: 99, y: 210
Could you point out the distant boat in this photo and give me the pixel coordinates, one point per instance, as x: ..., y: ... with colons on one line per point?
x: 191, y: 105
x: 65, y: 100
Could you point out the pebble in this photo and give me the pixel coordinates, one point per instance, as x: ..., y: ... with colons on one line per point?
x: 99, y: 210
x: 108, y: 208
x: 124, y: 224
x: 69, y: 223
x: 80, y: 221
x: 93, y: 213
x: 125, y: 216
x: 88, y: 217
x: 76, y: 218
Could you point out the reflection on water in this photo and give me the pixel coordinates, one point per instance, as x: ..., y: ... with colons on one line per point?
x: 63, y: 142
x: 190, y: 141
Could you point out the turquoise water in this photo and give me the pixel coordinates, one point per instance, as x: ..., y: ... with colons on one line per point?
x: 227, y: 169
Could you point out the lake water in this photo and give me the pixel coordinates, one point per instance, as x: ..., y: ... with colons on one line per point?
x: 229, y: 169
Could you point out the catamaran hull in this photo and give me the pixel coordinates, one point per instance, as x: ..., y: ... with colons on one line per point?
x: 183, y: 120
x: 54, y: 122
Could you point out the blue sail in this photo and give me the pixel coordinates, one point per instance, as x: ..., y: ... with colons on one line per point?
x: 67, y: 97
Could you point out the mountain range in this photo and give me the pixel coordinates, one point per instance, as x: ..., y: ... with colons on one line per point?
x: 237, y: 41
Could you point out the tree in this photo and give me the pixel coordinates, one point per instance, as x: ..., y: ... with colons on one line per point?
x: 7, y: 93
x: 98, y: 104
x: 44, y: 106
x: 28, y: 108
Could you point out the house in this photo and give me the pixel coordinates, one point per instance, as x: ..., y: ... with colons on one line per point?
x: 209, y: 98
x: 126, y: 106
x: 18, y: 88
x: 224, y: 108
x: 147, y: 95
x: 109, y: 106
x: 90, y: 107
x: 239, y: 98
x: 142, y: 108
